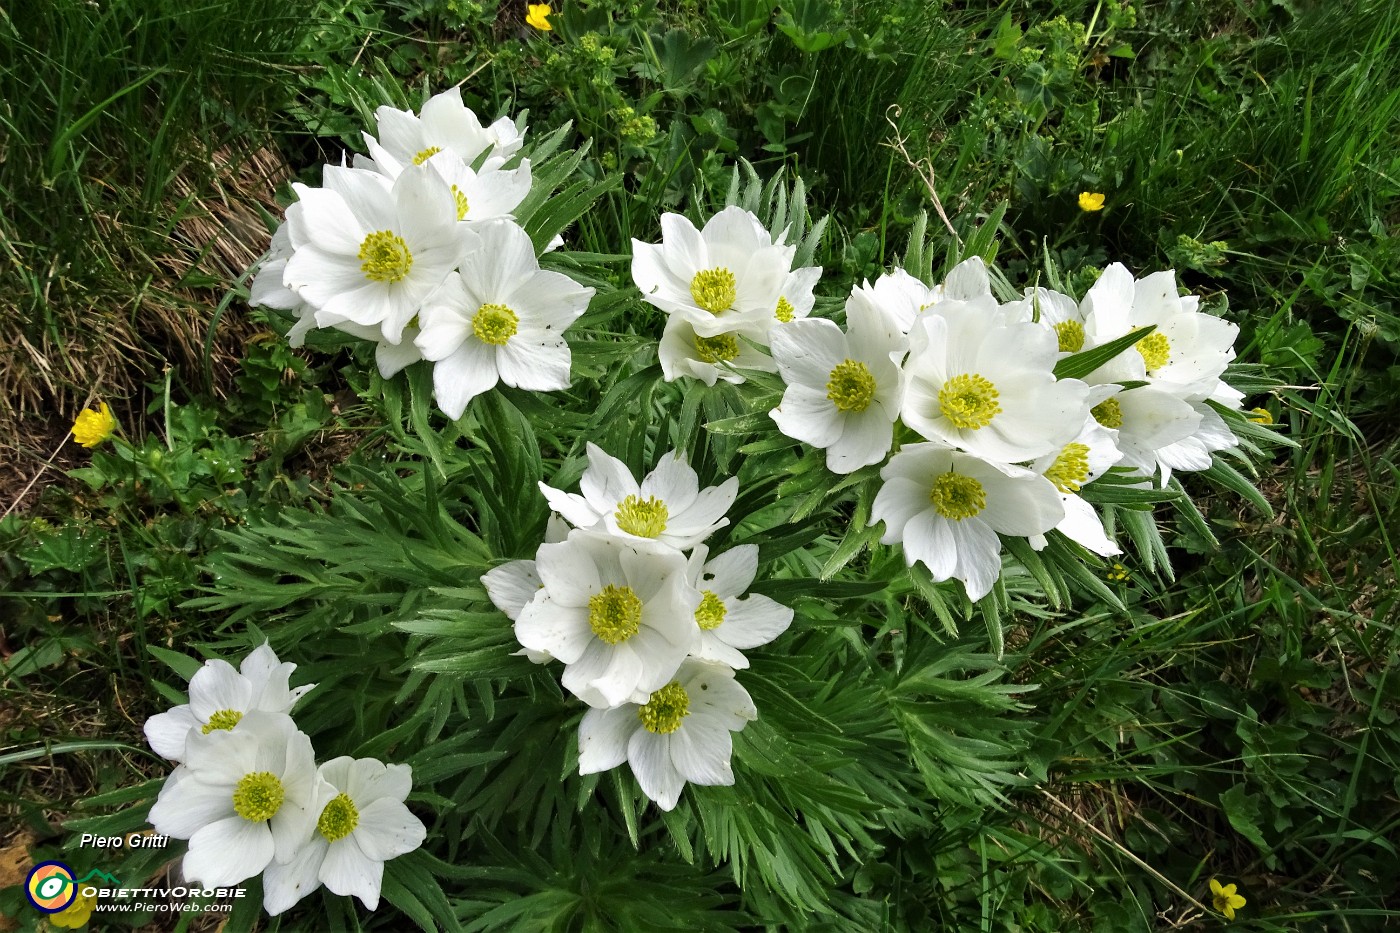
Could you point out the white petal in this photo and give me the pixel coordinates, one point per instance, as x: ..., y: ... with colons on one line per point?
x: 510, y: 586
x: 979, y: 556
x: 166, y: 731
x: 186, y: 805
x: 700, y: 751
x: 563, y: 631
x: 650, y: 758
x: 217, y: 686
x: 602, y: 737
x: 388, y: 829
x: 1083, y: 526
x: 463, y: 376
x: 228, y: 851
x: 731, y: 573
x: 391, y: 358
x: 806, y: 414
x: 536, y: 367
x: 753, y: 621
x: 286, y: 883
x: 346, y: 870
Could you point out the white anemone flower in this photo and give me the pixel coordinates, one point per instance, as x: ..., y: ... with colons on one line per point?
x: 243, y: 798
x: 501, y: 319
x: 369, y: 251
x: 680, y: 733
x: 946, y: 508
x: 1187, y: 351
x: 796, y: 297
x: 1069, y: 470
x: 488, y: 193
x: 668, y: 506
x: 1147, y: 419
x: 983, y: 383
x: 728, y: 620
x: 683, y: 352
x: 445, y: 125
x: 727, y: 277
x: 899, y: 296
x: 843, y: 390
x: 622, y: 619
x: 361, y: 824
x: 220, y: 697
x: 1057, y: 312
x: 1210, y: 435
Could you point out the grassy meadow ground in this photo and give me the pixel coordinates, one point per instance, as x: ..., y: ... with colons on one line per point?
x: 1239, y: 721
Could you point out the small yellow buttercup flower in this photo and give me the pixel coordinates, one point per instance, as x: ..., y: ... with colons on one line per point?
x: 1090, y: 201
x: 75, y: 914
x: 1260, y: 416
x: 93, y: 427
x: 1225, y: 898
x: 1117, y: 572
x: 538, y: 17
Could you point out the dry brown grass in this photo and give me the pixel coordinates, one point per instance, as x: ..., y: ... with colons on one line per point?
x: 165, y: 315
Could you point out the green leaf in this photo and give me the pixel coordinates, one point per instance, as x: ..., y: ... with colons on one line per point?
x: 182, y: 664
x: 1082, y: 364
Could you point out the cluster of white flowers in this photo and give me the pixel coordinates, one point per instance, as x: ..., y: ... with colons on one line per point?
x: 416, y: 249
x: 1005, y: 446
x: 248, y: 795
x: 649, y: 636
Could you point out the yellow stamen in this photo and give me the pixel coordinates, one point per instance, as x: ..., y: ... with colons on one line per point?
x: 851, y: 386
x: 665, y: 710
x: 384, y: 257
x: 957, y: 497
x: 969, y: 401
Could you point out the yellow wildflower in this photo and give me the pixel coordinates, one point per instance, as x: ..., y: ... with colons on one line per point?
x: 1225, y: 898
x: 1260, y: 416
x: 93, y: 427
x: 75, y: 914
x: 1090, y: 201
x: 1117, y: 572
x: 537, y: 17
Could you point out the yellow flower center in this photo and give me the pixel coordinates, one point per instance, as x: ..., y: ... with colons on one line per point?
x: 665, y: 710
x: 1108, y: 413
x: 784, y: 311
x: 957, y: 497
x: 711, y: 611
x: 1156, y: 350
x: 222, y: 719
x: 384, y: 257
x: 645, y: 518
x: 851, y: 386
x: 495, y: 324
x: 1071, y: 334
x: 1070, y: 469
x: 720, y: 348
x: 614, y: 614
x: 338, y: 819
x: 1260, y: 416
x: 426, y: 154
x: 969, y: 401
x: 461, y: 199
x: 258, y: 796
x: 714, y: 289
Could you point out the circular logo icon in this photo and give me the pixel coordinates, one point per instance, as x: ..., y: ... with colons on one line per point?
x: 50, y: 887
